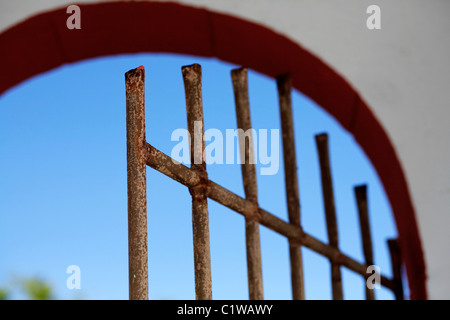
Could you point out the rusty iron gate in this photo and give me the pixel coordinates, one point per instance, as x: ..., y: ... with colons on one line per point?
x: 141, y: 154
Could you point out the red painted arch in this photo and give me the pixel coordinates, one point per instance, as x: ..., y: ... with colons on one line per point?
x: 43, y: 42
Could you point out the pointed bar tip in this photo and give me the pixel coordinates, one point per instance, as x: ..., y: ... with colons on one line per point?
x: 195, y: 68
x: 135, y: 73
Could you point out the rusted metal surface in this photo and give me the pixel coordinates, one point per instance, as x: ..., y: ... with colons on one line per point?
x: 240, y: 86
x: 361, y: 200
x: 136, y: 177
x: 140, y: 154
x: 186, y: 176
x: 253, y: 243
x: 330, y: 211
x: 291, y: 182
x: 396, y: 259
x: 192, y: 76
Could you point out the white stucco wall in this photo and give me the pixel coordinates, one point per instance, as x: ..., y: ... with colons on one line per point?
x: 402, y: 71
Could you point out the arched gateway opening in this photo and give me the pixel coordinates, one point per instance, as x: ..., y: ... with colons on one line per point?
x: 119, y: 27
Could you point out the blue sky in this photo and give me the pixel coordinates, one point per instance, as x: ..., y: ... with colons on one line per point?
x: 63, y: 196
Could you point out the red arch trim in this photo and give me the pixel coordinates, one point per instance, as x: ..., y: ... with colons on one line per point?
x: 43, y: 42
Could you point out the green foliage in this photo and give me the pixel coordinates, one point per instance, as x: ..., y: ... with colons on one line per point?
x: 4, y: 294
x: 37, y: 289
x: 34, y: 288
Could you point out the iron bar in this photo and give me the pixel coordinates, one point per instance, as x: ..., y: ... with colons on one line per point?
x: 252, y: 238
x: 136, y: 184
x: 192, y: 76
x: 330, y: 211
x: 361, y: 200
x: 186, y: 176
x: 394, y: 249
x: 291, y: 181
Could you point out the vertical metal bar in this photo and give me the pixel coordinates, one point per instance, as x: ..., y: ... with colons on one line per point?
x: 291, y: 180
x: 137, y: 194
x: 330, y: 211
x: 253, y: 244
x: 394, y: 249
x: 361, y: 200
x: 192, y: 76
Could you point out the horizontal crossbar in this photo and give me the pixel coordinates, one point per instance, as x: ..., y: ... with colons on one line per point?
x: 190, y: 178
